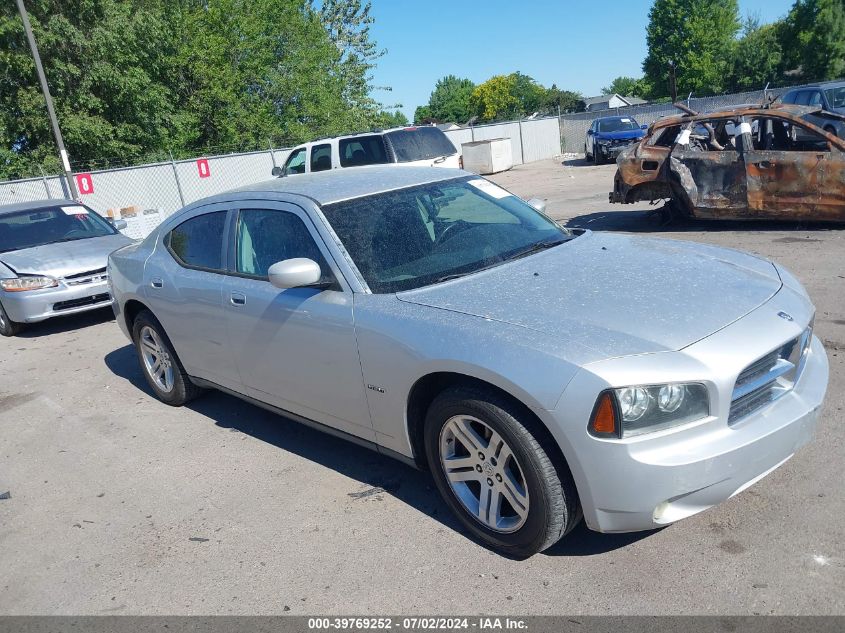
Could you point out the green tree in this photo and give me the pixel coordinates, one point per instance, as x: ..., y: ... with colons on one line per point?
x: 110, y: 66
x: 698, y: 36
x: 564, y: 101
x: 813, y: 39
x: 627, y: 87
x: 450, y: 100
x: 507, y: 97
x: 423, y: 114
x: 385, y: 120
x: 757, y: 57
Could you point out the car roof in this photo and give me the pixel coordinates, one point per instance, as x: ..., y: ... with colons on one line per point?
x: 819, y: 86
x: 325, y: 187
x: 609, y: 118
x: 788, y: 109
x: 376, y: 132
x: 33, y: 205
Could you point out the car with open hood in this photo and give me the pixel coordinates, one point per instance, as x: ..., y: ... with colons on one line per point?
x: 539, y: 373
x: 741, y: 163
x: 53, y: 256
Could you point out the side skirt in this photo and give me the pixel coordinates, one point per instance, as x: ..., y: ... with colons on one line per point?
x: 408, y: 461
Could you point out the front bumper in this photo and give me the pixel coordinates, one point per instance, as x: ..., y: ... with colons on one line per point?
x: 649, y: 482
x: 38, y: 305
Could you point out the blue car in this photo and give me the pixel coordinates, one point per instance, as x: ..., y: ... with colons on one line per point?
x: 609, y: 135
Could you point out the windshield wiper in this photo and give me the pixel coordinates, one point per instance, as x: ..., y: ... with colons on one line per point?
x: 536, y: 248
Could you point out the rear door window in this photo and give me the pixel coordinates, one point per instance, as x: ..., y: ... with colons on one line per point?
x: 198, y: 242
x: 421, y: 143
x: 321, y: 157
x: 362, y: 150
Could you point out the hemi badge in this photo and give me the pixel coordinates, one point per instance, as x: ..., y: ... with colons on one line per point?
x: 374, y: 388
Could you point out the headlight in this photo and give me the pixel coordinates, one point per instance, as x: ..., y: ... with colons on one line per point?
x: 635, y: 410
x: 22, y: 284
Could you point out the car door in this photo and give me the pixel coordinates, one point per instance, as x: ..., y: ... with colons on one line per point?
x: 296, y: 348
x: 184, y: 289
x: 794, y: 173
x: 713, y: 180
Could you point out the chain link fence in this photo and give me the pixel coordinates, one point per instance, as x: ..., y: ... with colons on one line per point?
x: 145, y: 194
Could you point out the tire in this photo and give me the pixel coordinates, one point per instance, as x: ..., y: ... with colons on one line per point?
x: 597, y: 160
x: 7, y: 326
x: 587, y: 155
x: 170, y: 383
x: 535, y: 504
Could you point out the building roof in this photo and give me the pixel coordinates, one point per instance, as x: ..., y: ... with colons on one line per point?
x: 606, y: 98
x: 33, y: 205
x: 334, y: 185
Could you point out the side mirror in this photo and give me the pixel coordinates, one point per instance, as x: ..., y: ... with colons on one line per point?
x: 538, y: 204
x: 644, y: 126
x: 294, y: 273
x: 590, y: 132
x: 119, y: 224
x: 277, y: 171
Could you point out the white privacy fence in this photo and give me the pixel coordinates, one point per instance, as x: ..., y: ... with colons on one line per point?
x: 146, y: 194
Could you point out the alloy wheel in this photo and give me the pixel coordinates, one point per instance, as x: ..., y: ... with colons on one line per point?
x: 157, y: 361
x: 484, y: 473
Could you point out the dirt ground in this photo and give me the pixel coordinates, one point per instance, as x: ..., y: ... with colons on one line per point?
x: 122, y: 505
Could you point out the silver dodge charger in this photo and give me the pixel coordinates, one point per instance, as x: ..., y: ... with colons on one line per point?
x: 53, y: 256
x: 541, y: 374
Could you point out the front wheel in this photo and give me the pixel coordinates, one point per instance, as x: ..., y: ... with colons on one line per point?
x: 159, y: 363
x: 495, y: 475
x: 7, y: 326
x: 597, y: 158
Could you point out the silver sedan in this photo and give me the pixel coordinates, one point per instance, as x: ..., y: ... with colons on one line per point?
x: 53, y: 257
x: 539, y: 373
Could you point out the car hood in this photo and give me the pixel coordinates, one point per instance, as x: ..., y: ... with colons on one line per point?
x: 64, y: 258
x: 621, y: 135
x: 617, y: 295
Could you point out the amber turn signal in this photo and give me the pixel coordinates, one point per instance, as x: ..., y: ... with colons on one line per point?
x: 604, y: 421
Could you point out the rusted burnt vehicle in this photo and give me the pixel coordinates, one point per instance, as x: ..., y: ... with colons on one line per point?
x: 747, y: 162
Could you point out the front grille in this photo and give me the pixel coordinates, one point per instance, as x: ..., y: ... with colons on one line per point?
x: 768, y: 378
x: 79, y: 303
x: 87, y: 277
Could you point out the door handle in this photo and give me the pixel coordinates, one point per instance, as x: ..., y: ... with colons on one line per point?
x: 237, y: 299
x: 155, y: 282
x: 765, y: 164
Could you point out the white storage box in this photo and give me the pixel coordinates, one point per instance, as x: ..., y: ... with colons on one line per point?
x: 488, y: 157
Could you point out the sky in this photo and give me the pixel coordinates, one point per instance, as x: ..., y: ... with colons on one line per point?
x: 580, y: 46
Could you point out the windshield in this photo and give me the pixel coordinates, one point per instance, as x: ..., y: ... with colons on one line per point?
x: 48, y: 225
x: 417, y: 236
x: 618, y: 125
x: 419, y: 143
x: 836, y: 97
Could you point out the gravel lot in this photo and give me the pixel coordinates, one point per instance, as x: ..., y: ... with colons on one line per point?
x: 122, y: 505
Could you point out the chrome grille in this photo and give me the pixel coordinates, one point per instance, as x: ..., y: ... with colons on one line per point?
x: 770, y: 377
x: 87, y: 277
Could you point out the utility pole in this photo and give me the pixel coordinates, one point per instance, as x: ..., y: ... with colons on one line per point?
x: 673, y: 88
x: 50, y: 111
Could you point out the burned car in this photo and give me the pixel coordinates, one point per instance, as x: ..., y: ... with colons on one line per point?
x: 754, y: 162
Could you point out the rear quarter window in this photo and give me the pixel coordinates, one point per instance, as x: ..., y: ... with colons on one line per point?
x: 420, y: 143
x: 198, y: 242
x: 362, y: 150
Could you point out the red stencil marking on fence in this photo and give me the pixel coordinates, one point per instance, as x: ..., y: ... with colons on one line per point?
x: 84, y: 183
x: 202, y: 168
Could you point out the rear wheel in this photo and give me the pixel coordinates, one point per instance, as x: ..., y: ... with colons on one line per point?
x: 7, y: 326
x: 495, y: 475
x: 161, y: 367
